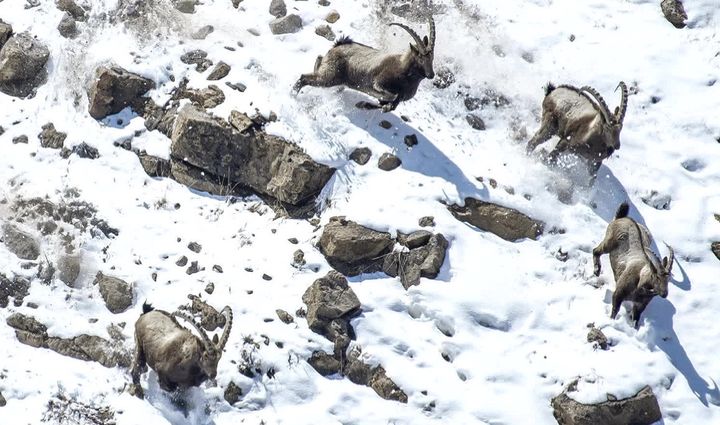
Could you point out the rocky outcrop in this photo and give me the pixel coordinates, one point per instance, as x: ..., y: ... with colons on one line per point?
x: 114, y: 89
x: 424, y: 259
x: 83, y: 347
x: 20, y: 243
x: 353, y: 249
x: 117, y: 294
x: 640, y: 409
x: 507, y: 223
x: 22, y: 64
x: 17, y: 288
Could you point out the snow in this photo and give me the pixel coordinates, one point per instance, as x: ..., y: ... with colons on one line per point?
x: 510, y: 317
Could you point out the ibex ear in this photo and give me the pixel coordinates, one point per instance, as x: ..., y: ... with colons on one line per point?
x: 215, y: 339
x: 617, y: 109
x: 426, y: 40
x: 665, y: 262
x: 413, y: 48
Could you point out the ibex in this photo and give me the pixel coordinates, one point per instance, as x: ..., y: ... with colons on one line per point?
x: 391, y: 78
x: 180, y: 358
x: 639, y: 275
x: 582, y: 120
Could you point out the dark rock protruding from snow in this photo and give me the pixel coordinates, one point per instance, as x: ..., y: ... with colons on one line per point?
x: 5, y: 32
x: 83, y: 347
x: 353, y: 249
x: 68, y: 267
x: 51, y: 138
x: 361, y: 155
x: 220, y: 71
x: 17, y: 288
x: 117, y: 294
x: 424, y: 259
x: 324, y: 363
x: 507, y: 223
x: 329, y: 298
x: 286, y: 25
x: 69, y: 6
x: 22, y: 65
x: 278, y: 8
x: 232, y: 393
x: 374, y: 377
x: 114, y: 89
x: 67, y: 27
x: 597, y: 337
x: 20, y: 243
x: 640, y: 409
x: 674, y: 12
x: 210, y: 318
x: 254, y: 160
x: 388, y: 162
x: 715, y: 248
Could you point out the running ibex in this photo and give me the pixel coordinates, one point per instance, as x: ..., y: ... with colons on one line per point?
x: 391, y: 78
x: 180, y: 358
x: 639, y: 275
x: 582, y: 120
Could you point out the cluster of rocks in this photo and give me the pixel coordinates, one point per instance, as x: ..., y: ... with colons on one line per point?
x: 73, y: 14
x: 353, y: 249
x: 640, y: 409
x: 84, y: 347
x: 22, y: 62
x: 331, y: 303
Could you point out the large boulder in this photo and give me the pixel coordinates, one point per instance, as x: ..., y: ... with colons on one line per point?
x: 117, y: 294
x: 267, y: 164
x: 286, y: 24
x: 640, y: 409
x: 353, y: 249
x: 114, y: 89
x: 20, y: 243
x: 329, y: 298
x: 507, y: 223
x: 22, y: 65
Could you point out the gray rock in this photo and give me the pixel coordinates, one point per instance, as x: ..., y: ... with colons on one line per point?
x: 267, y: 164
x: 154, y: 166
x: 21, y: 139
x: 206, y: 98
x: 286, y: 25
x: 278, y: 8
x: 324, y: 363
x: 374, y: 377
x: 422, y: 261
x: 185, y: 6
x: 361, y: 155
x: 195, y: 247
x: 3, y: 402
x: 68, y: 267
x: 596, y: 336
x: 284, y: 316
x: 20, y: 243
x: 203, y: 32
x: 410, y: 140
x: 475, y: 121
x: 17, y: 288
x: 332, y: 16
x: 715, y: 248
x: 299, y: 258
x: 198, y: 58
x: 220, y: 71
x: 6, y: 32
x: 240, y: 121
x: 236, y: 86
x: 325, y: 31
x: 507, y: 223
x: 114, y: 89
x: 444, y: 78
x: 236, y: 3
x: 427, y: 221
x: 232, y: 393
x: 83, y: 150
x: 674, y: 12
x: 388, y: 162
x: 117, y: 294
x: 640, y: 409
x: 51, y: 138
x: 69, y: 6
x: 329, y: 298
x: 353, y: 249
x: 67, y: 26
x: 415, y: 239
x: 22, y: 65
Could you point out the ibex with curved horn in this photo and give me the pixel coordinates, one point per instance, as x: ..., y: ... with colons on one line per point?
x: 180, y: 358
x: 639, y: 274
x: 583, y: 121
x: 391, y: 78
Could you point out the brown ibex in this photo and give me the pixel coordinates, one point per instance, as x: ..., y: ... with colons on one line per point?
x: 582, y: 120
x: 391, y: 78
x: 639, y: 275
x: 180, y: 358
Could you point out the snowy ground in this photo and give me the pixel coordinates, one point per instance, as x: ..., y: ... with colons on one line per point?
x: 517, y: 315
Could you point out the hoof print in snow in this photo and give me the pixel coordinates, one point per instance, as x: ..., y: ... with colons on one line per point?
x: 114, y: 89
x: 507, y: 223
x: 117, y: 294
x: 674, y: 12
x: 640, y: 409
x: 353, y: 249
x: 22, y: 63
x: 286, y: 25
x: 388, y: 162
x: 20, y: 243
x: 657, y: 200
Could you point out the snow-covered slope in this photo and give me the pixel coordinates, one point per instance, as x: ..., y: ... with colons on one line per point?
x: 517, y: 315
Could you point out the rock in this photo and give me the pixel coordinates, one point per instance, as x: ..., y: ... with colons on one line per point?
x: 51, y: 138
x: 715, y: 248
x: 22, y: 65
x: 424, y: 260
x: 46, y: 272
x: 17, y: 288
x: 232, y: 393
x: 387, y: 125
x: 67, y: 26
x: 411, y: 140
x: 267, y: 277
x: 198, y: 58
x: 507, y: 223
x: 640, y: 409
x: 217, y: 268
x: 202, y: 33
x: 194, y: 268
x: 220, y: 71
x: 329, y: 298
x: 210, y: 318
x: 427, y: 221
x: 286, y: 25
x: 415, y: 239
x: 195, y: 247
x: 299, y: 258
x: 332, y: 16
x: 154, y: 166
x: 6, y: 32
x: 374, y: 377
x: 3, y: 402
x: 68, y: 267
x: 444, y: 78
x: 182, y: 261
x: 241, y: 121
x: 325, y: 31
x: 236, y: 3
x: 388, y: 162
x: 267, y: 164
x: 210, y: 288
x: 674, y: 12
x: 117, y: 294
x: 361, y: 155
x: 475, y: 121
x: 114, y: 89
x: 597, y: 337
x: 207, y: 98
x: 185, y: 6
x: 284, y: 316
x: 83, y: 150
x: 236, y: 86
x: 324, y: 363
x: 20, y: 139
x: 324, y: 2
x: 20, y: 243
x: 72, y: 8
x: 353, y: 249
x: 278, y: 8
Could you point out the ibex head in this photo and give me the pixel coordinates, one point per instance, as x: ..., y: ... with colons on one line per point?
x: 423, y: 50
x: 613, y: 121
x: 210, y: 356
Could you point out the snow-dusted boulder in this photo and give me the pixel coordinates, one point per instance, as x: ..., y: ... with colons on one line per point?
x: 20, y: 243
x: 640, y: 409
x: 22, y: 65
x: 353, y: 249
x: 117, y: 294
x: 114, y: 89
x: 507, y: 223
